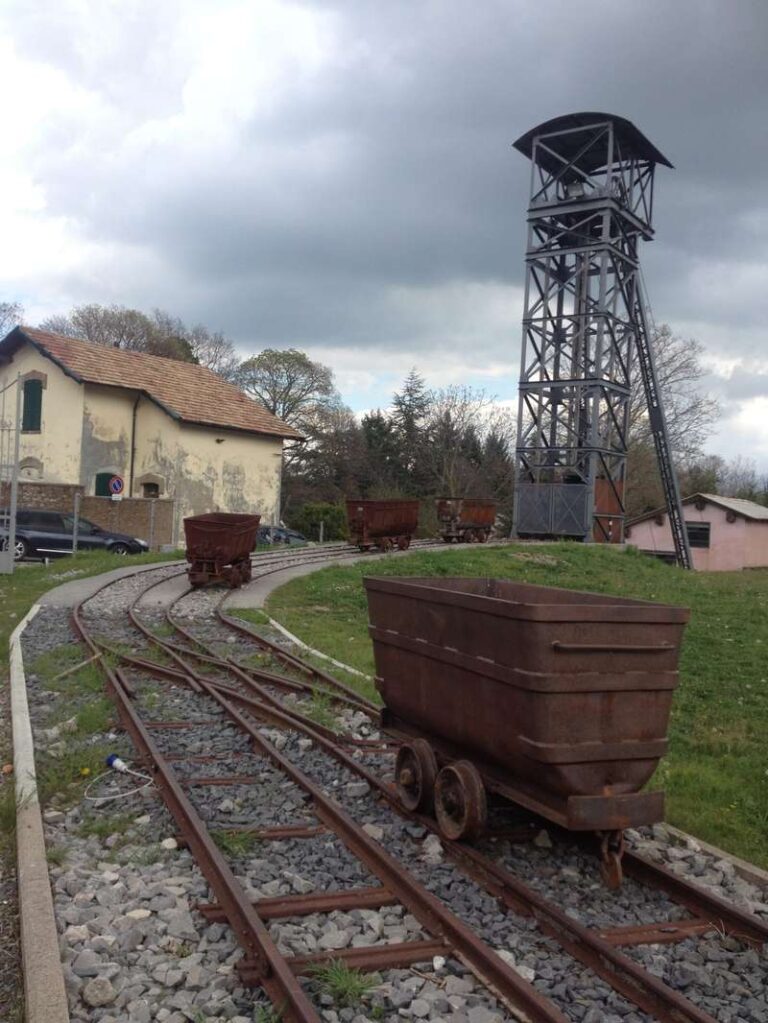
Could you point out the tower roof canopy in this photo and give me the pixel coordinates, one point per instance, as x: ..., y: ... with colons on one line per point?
x: 632, y: 141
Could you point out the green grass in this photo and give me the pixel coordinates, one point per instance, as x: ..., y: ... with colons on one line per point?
x: 95, y: 716
x: 268, y: 663
x: 716, y: 773
x: 7, y: 818
x: 64, y: 777
x: 343, y: 983
x: 320, y: 710
x: 235, y: 843
x: 249, y: 614
x: 104, y: 826
x: 48, y: 666
x: 267, y: 1014
x: 56, y: 855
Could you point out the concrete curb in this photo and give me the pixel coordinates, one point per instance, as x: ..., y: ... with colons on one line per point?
x: 748, y: 871
x: 45, y: 995
x: 318, y: 653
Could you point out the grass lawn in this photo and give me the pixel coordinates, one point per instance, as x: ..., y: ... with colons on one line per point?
x: 716, y: 774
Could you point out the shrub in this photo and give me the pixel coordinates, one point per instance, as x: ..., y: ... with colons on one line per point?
x: 307, y: 520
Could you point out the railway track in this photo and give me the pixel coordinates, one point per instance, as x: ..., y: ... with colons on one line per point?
x: 341, y: 788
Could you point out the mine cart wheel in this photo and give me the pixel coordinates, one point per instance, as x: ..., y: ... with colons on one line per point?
x: 482, y: 536
x: 234, y: 579
x: 403, y: 543
x: 611, y: 851
x: 246, y: 571
x: 385, y: 544
x: 460, y: 803
x: 415, y: 774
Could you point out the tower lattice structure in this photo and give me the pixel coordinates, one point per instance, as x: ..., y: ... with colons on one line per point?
x: 585, y: 335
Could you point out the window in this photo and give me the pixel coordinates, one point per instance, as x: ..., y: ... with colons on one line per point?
x: 84, y: 527
x: 150, y: 489
x: 31, y: 416
x: 698, y: 533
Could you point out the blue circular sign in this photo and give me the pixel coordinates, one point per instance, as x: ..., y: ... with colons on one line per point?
x: 116, y: 485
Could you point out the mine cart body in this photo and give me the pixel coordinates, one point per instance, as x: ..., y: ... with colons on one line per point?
x: 559, y: 699
x: 382, y: 524
x: 219, y: 547
x: 465, y: 519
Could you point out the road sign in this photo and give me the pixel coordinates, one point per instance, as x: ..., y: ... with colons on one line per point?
x: 116, y: 485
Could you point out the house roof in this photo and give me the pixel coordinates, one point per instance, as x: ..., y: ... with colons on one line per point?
x: 185, y: 391
x: 737, y: 505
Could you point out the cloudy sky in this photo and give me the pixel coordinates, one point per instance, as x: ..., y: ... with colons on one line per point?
x: 338, y: 176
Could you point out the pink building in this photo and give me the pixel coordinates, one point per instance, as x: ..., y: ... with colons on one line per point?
x: 725, y: 533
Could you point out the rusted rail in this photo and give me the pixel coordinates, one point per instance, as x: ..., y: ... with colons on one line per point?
x: 598, y: 949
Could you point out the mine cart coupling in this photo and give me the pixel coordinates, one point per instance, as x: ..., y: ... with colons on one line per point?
x: 611, y: 852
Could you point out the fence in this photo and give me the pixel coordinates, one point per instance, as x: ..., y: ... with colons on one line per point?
x: 10, y: 428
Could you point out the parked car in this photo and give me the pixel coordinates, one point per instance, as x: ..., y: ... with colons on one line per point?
x: 279, y: 535
x: 45, y: 534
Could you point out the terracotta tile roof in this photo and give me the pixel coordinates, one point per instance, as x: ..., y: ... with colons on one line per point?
x: 190, y: 393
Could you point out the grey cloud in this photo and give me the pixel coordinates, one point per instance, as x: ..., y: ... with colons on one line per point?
x: 394, y: 166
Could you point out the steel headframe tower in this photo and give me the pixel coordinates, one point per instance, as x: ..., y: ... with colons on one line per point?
x: 584, y: 325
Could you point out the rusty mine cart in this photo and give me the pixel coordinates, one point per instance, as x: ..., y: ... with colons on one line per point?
x: 556, y: 700
x: 465, y: 519
x: 219, y: 547
x: 382, y: 524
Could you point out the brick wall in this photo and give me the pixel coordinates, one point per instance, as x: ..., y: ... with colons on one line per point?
x: 51, y: 496
x: 133, y: 515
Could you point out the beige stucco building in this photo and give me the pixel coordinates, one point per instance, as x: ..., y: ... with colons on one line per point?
x: 725, y: 533
x: 167, y: 429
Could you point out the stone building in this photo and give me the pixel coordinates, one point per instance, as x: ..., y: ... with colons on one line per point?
x: 167, y: 429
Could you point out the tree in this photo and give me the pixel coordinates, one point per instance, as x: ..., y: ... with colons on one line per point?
x: 738, y: 478
x: 452, y: 448
x: 158, y: 334
x: 410, y: 409
x: 292, y: 387
x: 382, y: 471
x: 702, y: 475
x: 209, y: 349
x: 690, y: 414
x: 119, y: 327
x: 328, y: 468
x: 10, y: 316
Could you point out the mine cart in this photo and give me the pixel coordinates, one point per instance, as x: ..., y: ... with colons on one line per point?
x: 219, y: 547
x: 465, y: 519
x: 382, y: 524
x: 554, y: 699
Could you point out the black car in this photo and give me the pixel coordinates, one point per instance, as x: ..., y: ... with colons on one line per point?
x: 47, y: 534
x: 279, y: 535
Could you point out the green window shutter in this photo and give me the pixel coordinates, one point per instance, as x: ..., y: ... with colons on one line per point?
x: 102, y: 483
x: 33, y: 405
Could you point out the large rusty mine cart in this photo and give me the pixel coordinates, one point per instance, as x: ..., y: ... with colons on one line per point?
x: 465, y: 519
x: 219, y: 547
x: 382, y: 524
x: 554, y: 699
